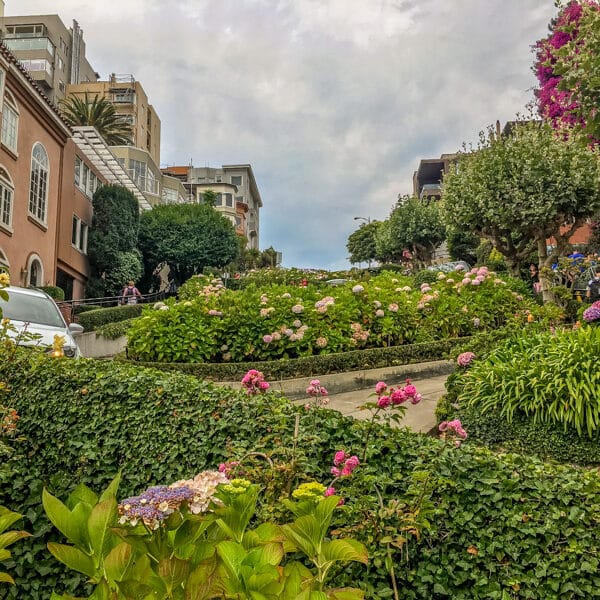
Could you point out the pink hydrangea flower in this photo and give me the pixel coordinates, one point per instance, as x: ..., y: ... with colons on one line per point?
x: 339, y: 458
x: 379, y: 313
x: 267, y: 339
x: 297, y: 309
x: 330, y: 491
x: 358, y: 289
x: 380, y: 387
x: 398, y: 397
x: 465, y: 359
x: 393, y: 307
x: 384, y: 401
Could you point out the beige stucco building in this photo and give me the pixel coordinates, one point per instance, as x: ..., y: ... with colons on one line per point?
x: 131, y: 102
x: 53, y: 54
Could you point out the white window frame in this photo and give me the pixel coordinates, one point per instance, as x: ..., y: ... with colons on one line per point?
x: 78, y: 164
x: 33, y: 258
x: 10, y: 109
x: 38, y: 185
x: 241, y: 183
x: 7, y: 196
x: 80, y: 230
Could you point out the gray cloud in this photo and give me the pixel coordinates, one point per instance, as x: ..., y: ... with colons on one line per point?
x: 333, y: 102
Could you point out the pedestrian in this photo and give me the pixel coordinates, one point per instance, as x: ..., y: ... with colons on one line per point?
x: 593, y: 287
x: 534, y: 278
x: 130, y: 295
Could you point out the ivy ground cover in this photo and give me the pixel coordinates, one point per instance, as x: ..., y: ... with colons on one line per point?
x: 453, y: 522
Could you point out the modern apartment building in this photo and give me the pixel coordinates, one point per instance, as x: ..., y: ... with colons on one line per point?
x: 51, y: 53
x: 427, y: 179
x: 238, y: 197
x: 131, y: 102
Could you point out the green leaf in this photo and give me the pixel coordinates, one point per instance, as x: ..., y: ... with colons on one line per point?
x: 74, y: 558
x: 103, y: 516
x: 344, y: 550
x: 112, y: 488
x: 62, y: 518
x: 10, y: 537
x: 118, y: 561
x: 81, y: 493
x: 6, y: 578
x: 173, y: 572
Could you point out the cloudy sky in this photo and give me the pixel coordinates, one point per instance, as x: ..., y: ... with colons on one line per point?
x: 333, y: 102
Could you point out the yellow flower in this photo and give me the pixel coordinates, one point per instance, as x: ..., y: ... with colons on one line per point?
x: 4, y: 279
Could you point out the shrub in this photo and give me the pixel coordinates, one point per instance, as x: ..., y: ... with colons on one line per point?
x: 54, y: 292
x: 307, y: 366
x: 550, y: 378
x: 112, y: 331
x: 499, y: 526
x: 92, y: 319
x: 213, y: 324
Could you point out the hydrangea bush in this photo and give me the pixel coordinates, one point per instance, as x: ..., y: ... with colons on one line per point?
x: 212, y: 324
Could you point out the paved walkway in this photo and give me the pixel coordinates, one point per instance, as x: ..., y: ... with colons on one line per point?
x: 349, y: 390
x: 420, y: 417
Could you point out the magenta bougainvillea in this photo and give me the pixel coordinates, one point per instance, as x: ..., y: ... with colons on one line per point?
x: 557, y: 105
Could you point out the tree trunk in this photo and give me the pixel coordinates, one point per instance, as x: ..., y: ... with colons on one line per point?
x: 542, y: 250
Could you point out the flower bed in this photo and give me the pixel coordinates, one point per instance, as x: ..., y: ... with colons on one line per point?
x: 212, y: 324
x: 489, y: 526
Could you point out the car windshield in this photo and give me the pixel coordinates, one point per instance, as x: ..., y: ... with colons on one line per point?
x: 31, y: 309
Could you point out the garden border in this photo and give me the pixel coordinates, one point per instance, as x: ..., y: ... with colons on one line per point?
x: 323, y: 364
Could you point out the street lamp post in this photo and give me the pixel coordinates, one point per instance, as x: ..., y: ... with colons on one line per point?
x: 367, y: 220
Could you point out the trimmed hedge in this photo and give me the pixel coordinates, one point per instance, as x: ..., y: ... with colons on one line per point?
x: 522, y: 435
x: 112, y: 331
x: 55, y: 292
x: 307, y: 366
x: 93, y: 319
x: 501, y: 527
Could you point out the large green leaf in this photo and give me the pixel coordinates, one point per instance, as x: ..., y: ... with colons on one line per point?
x: 112, y: 488
x: 173, y: 572
x: 200, y: 583
x: 7, y: 518
x: 118, y: 561
x: 346, y: 594
x: 74, y: 558
x: 344, y: 550
x: 81, y: 493
x: 63, y: 519
x: 10, y: 537
x: 103, y: 516
x: 6, y: 578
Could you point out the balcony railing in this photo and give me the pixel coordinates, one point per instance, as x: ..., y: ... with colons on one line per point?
x: 145, y: 184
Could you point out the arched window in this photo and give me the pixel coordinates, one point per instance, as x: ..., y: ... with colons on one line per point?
x: 10, y: 121
x: 7, y: 190
x: 38, y: 186
x: 35, y: 271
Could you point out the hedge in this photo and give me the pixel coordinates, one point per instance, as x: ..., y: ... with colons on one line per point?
x: 92, y: 319
x: 500, y: 527
x: 546, y: 441
x: 55, y: 292
x: 112, y: 331
x: 307, y: 366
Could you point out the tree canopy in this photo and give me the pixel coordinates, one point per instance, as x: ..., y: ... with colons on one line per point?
x: 112, y: 240
x: 361, y: 243
x: 524, y: 188
x: 189, y: 237
x: 568, y: 70
x: 413, y: 225
x: 101, y: 114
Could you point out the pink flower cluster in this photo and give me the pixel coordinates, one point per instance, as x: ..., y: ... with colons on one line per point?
x: 323, y: 304
x: 343, y: 465
x: 390, y: 396
x: 453, y: 429
x: 254, y: 382
x: 556, y: 105
x: 229, y: 468
x: 315, y: 389
x: 358, y: 333
x: 592, y: 313
x: 465, y: 359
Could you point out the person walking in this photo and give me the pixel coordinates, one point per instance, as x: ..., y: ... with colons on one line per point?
x: 130, y: 295
x: 593, y: 287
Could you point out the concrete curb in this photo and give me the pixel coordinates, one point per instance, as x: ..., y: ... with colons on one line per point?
x: 350, y: 381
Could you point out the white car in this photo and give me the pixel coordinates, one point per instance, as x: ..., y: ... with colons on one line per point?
x: 33, y: 312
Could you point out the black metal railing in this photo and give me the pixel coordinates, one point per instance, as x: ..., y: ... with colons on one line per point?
x: 70, y: 309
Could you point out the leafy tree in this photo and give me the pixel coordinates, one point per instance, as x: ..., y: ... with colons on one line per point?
x: 361, y: 243
x: 413, y: 225
x: 462, y: 245
x: 209, y: 197
x: 99, y: 113
x: 268, y: 258
x: 112, y: 241
x: 568, y: 69
x: 522, y: 188
x: 189, y: 237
